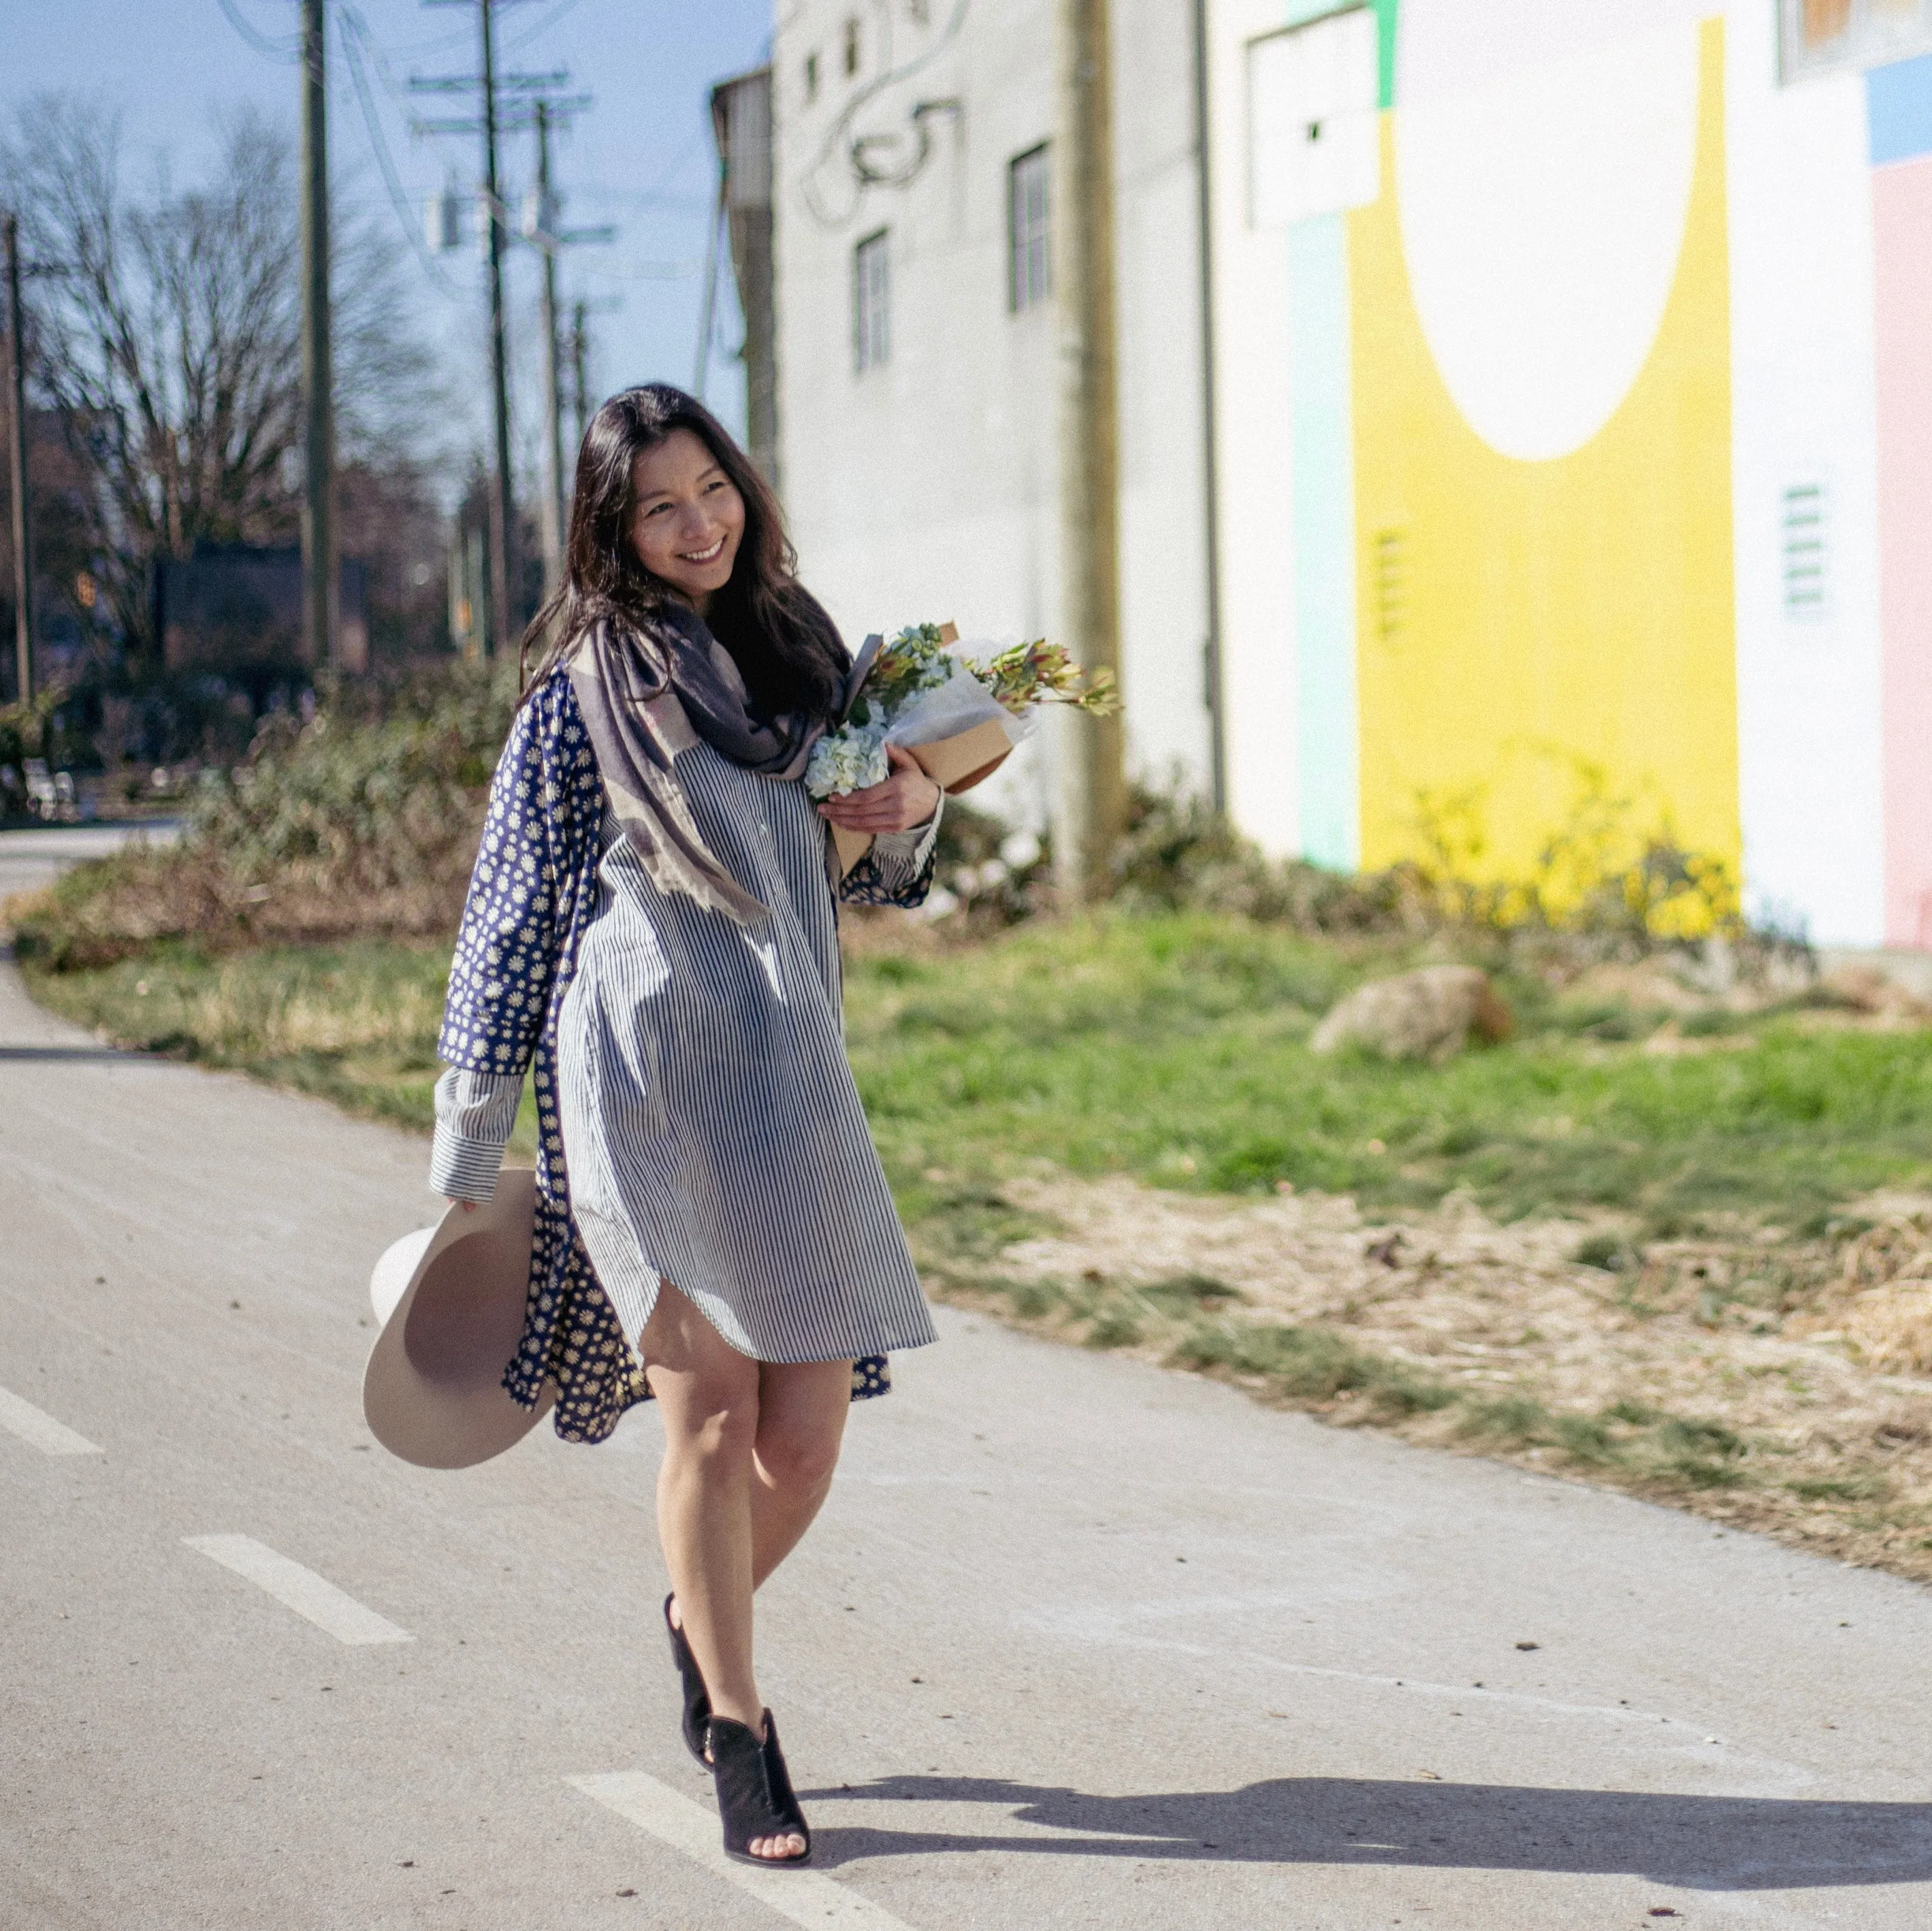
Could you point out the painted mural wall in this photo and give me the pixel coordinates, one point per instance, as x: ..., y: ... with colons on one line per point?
x: 1604, y: 365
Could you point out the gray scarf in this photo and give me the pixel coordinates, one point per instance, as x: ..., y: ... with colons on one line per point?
x: 649, y: 690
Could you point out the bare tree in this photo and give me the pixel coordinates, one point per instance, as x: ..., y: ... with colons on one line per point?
x: 168, y: 340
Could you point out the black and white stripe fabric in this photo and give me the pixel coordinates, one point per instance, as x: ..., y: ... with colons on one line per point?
x: 710, y: 1128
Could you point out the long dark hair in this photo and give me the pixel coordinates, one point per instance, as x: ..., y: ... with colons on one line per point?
x: 787, y: 650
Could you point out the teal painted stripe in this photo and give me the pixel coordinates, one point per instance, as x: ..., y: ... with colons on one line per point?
x: 1385, y: 13
x: 1324, y: 541
x: 1300, y: 12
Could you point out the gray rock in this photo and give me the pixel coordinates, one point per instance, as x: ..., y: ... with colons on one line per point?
x: 1427, y: 1015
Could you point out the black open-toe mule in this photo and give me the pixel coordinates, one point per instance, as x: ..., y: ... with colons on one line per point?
x: 697, y: 1698
x: 755, y: 1792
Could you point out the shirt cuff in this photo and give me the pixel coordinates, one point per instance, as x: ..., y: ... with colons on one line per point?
x: 909, y: 849
x: 475, y: 1115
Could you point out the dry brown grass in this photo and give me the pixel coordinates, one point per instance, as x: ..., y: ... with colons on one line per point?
x: 1767, y: 1380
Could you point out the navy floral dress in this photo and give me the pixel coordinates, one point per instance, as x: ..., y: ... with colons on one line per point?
x: 532, y: 896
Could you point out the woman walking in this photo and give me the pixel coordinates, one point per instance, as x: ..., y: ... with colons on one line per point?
x: 653, y: 923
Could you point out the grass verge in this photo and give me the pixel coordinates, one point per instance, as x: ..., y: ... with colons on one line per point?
x: 1856, y: 1483
x: 1175, y: 1049
x: 1714, y: 1254
x: 354, y: 1024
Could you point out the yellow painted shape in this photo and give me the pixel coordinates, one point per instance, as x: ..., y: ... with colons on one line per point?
x: 1519, y: 621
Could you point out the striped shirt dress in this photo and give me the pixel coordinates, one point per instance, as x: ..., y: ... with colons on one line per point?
x: 697, y: 1119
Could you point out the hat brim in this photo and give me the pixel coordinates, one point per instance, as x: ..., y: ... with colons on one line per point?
x: 433, y: 1392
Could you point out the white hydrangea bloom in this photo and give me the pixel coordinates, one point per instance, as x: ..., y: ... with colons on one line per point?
x: 852, y: 759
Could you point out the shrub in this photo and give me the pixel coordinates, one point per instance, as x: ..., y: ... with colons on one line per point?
x: 985, y: 874
x: 1178, y: 854
x: 1598, y: 891
x: 362, y: 822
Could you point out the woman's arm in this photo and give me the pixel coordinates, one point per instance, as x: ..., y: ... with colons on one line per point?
x: 902, y: 814
x: 505, y: 954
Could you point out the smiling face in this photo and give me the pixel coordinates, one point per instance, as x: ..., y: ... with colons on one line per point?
x: 688, y: 519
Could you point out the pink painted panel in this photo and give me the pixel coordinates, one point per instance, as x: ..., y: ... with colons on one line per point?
x: 1902, y: 223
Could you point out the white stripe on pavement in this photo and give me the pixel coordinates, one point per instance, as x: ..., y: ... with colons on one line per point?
x: 299, y: 1589
x: 42, y: 1431
x: 805, y: 1897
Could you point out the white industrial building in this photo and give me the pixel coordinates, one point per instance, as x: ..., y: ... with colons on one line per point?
x: 1570, y: 448
x: 915, y: 336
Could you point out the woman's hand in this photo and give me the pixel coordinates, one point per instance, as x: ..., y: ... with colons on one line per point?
x: 906, y: 800
x: 468, y: 1206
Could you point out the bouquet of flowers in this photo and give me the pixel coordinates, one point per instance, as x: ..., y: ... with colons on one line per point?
x: 960, y: 717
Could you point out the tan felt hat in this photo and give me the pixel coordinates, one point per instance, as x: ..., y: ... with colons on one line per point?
x: 450, y: 1300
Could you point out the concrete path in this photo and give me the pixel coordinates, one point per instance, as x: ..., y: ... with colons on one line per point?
x: 34, y: 858
x: 1076, y: 1644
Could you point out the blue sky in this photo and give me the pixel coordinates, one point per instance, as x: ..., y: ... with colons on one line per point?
x: 641, y: 157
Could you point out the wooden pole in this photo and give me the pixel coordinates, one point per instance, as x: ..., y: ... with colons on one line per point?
x: 16, y: 444
x: 1091, y: 812
x: 1216, y: 692
x: 580, y: 385
x: 552, y: 517
x: 321, y: 626
x: 502, y: 504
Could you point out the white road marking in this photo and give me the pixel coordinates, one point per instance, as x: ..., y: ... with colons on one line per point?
x: 805, y: 1897
x: 299, y: 1589
x: 41, y: 1430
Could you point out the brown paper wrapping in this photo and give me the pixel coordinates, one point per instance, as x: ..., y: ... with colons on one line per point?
x: 955, y: 764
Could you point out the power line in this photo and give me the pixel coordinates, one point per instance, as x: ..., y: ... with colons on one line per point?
x: 675, y: 204
x: 544, y: 25
x: 356, y: 41
x: 708, y: 310
x: 678, y: 162
x: 642, y: 272
x: 287, y: 50
x: 356, y: 29
x: 487, y: 83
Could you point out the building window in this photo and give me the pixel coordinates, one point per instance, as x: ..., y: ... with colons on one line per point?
x: 1028, y: 264
x: 1388, y: 574
x: 852, y: 46
x: 811, y: 77
x: 1314, y: 98
x: 872, y: 303
x: 1827, y: 36
x: 1802, y: 550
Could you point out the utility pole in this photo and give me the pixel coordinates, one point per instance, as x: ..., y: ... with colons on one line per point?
x: 553, y: 520
x: 1215, y: 682
x: 529, y: 105
x: 580, y: 354
x: 1091, y: 812
x: 17, y: 395
x: 321, y: 588
x: 502, y: 504
x: 502, y: 511
x: 581, y: 396
x: 741, y: 120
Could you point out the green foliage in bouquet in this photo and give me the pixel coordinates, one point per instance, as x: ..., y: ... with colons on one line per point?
x: 915, y: 661
x: 1039, y: 672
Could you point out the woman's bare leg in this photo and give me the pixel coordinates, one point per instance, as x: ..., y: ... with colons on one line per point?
x: 737, y: 1484
x: 708, y: 1394
x: 802, y: 1411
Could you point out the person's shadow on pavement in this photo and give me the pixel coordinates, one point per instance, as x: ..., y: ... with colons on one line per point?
x: 1710, y: 1843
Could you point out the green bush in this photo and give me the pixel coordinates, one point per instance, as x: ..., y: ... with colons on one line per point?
x: 370, y: 803
x: 1597, y: 892
x: 362, y: 822
x: 1178, y: 854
